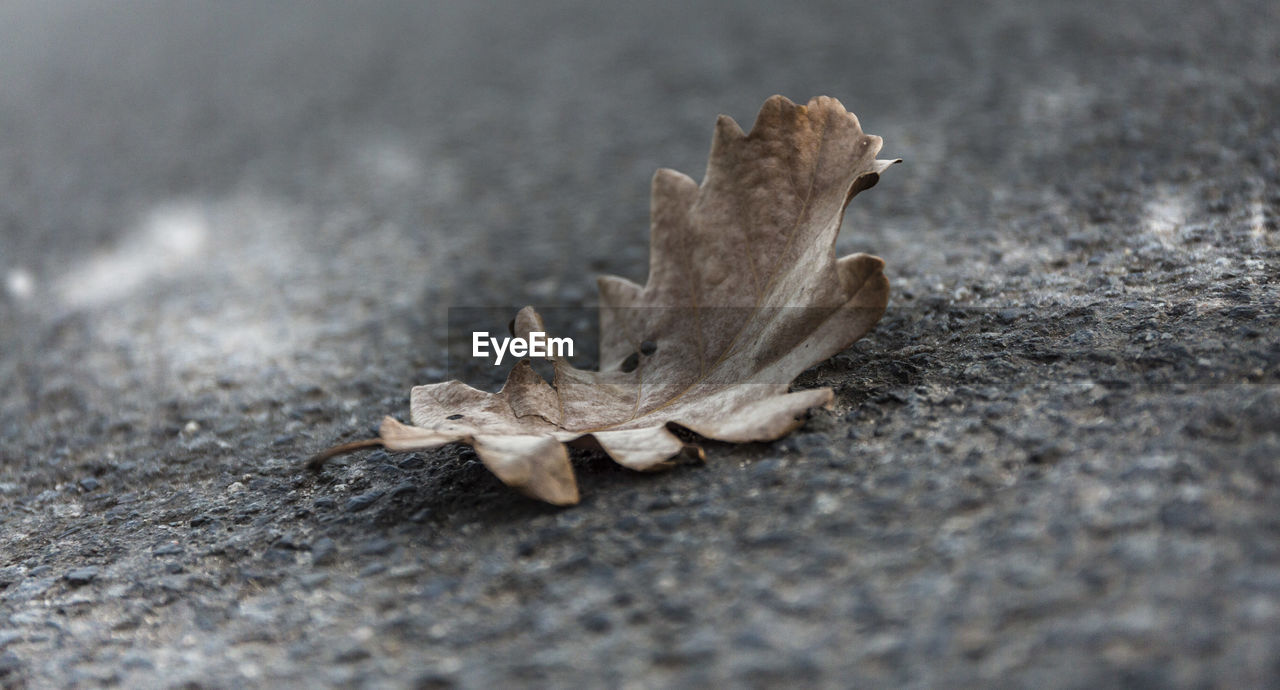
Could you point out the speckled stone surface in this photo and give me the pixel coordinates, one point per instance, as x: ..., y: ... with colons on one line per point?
x: 229, y: 233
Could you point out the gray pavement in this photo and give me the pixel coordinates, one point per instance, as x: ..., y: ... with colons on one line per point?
x: 229, y: 233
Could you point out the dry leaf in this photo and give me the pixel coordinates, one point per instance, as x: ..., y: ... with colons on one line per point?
x: 744, y: 293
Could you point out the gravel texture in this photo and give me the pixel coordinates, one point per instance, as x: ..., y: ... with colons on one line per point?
x: 229, y: 233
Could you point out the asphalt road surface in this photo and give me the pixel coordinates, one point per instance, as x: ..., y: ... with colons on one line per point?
x: 230, y: 233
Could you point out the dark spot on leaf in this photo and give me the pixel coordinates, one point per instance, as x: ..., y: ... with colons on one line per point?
x: 630, y: 363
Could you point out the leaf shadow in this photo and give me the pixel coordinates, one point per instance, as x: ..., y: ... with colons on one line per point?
x: 443, y: 491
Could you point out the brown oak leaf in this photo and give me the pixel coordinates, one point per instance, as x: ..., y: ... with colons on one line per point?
x: 744, y: 293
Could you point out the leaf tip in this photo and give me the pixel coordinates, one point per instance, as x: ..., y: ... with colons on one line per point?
x: 727, y: 129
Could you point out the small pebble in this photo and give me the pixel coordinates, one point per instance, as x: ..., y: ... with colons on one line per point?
x: 373, y: 569
x: 412, y: 462
x: 356, y: 504
x: 351, y: 655
x: 323, y: 551
x: 81, y: 576
x: 377, y: 547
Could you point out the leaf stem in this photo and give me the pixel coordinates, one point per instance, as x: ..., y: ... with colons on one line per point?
x: 316, y: 462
